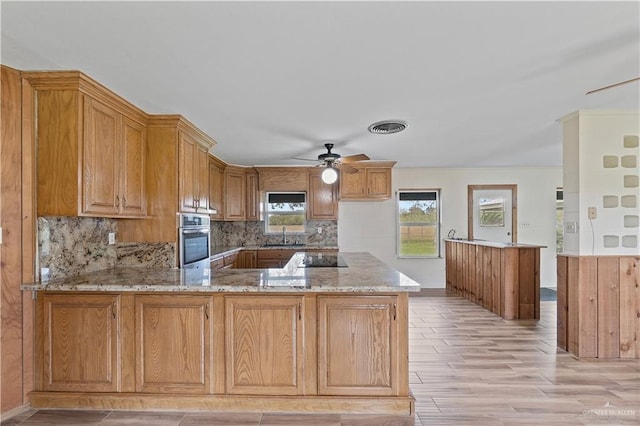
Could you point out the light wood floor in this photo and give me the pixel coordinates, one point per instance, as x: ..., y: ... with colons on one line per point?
x: 467, y: 366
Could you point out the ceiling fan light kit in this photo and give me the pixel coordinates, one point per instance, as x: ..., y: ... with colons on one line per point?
x: 329, y: 175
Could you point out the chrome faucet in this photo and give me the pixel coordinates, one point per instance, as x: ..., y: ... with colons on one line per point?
x: 284, y: 235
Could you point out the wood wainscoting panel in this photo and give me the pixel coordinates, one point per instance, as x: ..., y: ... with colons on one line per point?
x: 599, y: 306
x: 629, y: 307
x: 561, y: 302
x: 587, y: 298
x: 608, y: 310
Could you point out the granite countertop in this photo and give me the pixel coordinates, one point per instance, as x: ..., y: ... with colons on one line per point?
x: 494, y: 243
x: 364, y: 273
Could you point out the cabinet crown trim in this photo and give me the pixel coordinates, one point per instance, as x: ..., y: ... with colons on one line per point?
x: 181, y: 123
x: 77, y: 80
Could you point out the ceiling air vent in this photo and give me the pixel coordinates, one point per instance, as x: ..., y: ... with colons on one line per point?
x: 387, y: 127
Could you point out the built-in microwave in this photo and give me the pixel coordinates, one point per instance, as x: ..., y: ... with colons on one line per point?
x: 194, y: 240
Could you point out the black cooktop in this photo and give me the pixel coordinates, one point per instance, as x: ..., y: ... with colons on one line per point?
x: 323, y: 260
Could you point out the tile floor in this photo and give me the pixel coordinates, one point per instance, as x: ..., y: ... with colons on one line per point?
x: 467, y: 367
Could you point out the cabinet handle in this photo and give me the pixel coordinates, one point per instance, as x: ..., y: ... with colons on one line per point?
x: 394, y: 311
x: 124, y: 201
x: 206, y: 311
x: 114, y: 308
x: 117, y: 201
x: 299, y: 311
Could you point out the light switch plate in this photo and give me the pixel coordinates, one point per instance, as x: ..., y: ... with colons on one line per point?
x: 112, y: 238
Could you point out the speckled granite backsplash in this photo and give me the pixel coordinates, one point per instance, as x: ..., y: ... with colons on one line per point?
x: 74, y: 245
x: 239, y: 234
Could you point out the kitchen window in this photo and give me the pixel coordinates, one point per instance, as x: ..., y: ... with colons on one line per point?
x: 285, y: 210
x: 418, y: 231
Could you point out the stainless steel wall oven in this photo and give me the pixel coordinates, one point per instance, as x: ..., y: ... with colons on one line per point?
x: 194, y: 237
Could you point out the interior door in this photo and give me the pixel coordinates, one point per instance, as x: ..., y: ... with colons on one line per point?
x: 492, y: 213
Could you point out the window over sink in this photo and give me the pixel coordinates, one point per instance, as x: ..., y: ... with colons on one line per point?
x: 285, y: 211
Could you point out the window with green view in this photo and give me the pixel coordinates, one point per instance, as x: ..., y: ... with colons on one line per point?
x: 419, y: 223
x: 285, y: 209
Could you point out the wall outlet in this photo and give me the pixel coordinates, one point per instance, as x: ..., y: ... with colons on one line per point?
x: 44, y: 274
x: 593, y: 213
x: 112, y: 238
x: 319, y: 229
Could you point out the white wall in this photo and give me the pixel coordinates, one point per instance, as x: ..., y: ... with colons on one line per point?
x: 589, y: 136
x: 371, y: 226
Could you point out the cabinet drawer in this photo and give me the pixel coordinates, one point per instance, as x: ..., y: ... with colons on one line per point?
x: 230, y: 258
x: 276, y: 254
x: 217, y: 263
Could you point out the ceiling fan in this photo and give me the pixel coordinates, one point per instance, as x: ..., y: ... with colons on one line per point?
x: 332, y: 161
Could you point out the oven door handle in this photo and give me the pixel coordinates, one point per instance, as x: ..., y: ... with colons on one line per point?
x: 195, y: 231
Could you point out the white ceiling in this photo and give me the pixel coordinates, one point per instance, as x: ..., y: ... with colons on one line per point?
x: 480, y: 84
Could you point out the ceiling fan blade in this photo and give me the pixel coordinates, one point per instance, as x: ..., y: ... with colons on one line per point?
x: 612, y: 85
x: 354, y: 158
x: 347, y: 169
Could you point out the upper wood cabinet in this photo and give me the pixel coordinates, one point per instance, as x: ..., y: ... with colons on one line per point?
x: 282, y: 179
x: 358, y: 346
x: 216, y: 188
x: 264, y: 345
x: 194, y: 175
x: 176, y: 178
x: 91, y: 148
x: 371, y: 182
x: 322, y: 202
x: 235, y: 193
x: 173, y: 344
x: 79, y: 342
x: 253, y: 196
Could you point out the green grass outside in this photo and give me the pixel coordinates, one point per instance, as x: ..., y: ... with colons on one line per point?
x: 417, y: 248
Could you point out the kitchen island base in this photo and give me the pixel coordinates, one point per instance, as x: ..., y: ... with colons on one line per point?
x: 296, y: 351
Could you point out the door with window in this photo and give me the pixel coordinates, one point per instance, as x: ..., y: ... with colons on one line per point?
x: 492, y: 211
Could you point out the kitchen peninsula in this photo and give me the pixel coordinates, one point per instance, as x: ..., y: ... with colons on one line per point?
x: 501, y: 277
x: 291, y: 339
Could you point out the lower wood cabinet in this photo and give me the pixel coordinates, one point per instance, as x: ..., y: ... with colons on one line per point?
x: 358, y: 345
x: 173, y: 344
x: 80, y: 345
x: 133, y: 350
x: 264, y: 343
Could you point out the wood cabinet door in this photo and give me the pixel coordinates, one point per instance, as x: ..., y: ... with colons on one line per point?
x: 173, y: 344
x: 216, y: 190
x: 81, y: 349
x: 247, y: 259
x: 323, y: 198
x: 253, y: 197
x: 264, y: 345
x: 101, y: 159
x: 234, y: 195
x: 202, y: 179
x: 352, y: 185
x: 187, y: 171
x: 379, y: 183
x: 357, y: 345
x: 133, y: 198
